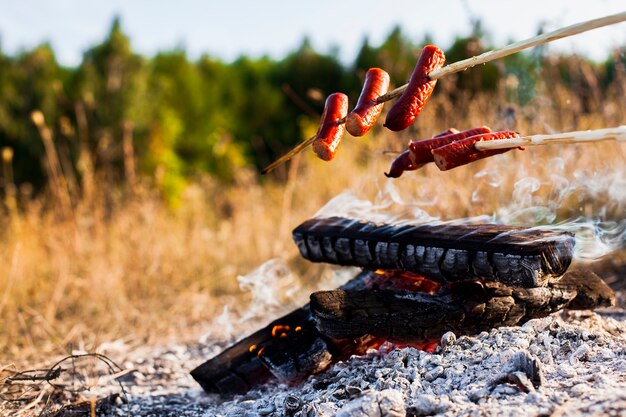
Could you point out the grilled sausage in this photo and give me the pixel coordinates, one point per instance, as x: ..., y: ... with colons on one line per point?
x: 463, y: 151
x: 418, y: 91
x: 420, y: 151
x: 402, y: 163
x: 367, y: 109
x: 331, y: 130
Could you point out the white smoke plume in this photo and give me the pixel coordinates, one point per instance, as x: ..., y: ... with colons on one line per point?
x: 590, y: 204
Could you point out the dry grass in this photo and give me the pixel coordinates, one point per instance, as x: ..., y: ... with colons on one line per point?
x: 131, y: 268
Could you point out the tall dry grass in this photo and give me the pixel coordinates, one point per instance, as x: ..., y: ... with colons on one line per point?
x: 123, y: 265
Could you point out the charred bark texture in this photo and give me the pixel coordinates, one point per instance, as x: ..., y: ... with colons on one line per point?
x: 346, y: 319
x: 467, y: 308
x: 511, y: 255
x: 265, y: 355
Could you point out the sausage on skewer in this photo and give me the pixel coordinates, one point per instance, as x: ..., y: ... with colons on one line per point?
x: 463, y: 151
x: 418, y: 91
x: 404, y: 162
x: 367, y: 109
x: 331, y: 127
x: 420, y: 151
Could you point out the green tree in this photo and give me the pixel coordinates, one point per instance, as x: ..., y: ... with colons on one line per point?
x: 27, y: 83
x: 111, y: 81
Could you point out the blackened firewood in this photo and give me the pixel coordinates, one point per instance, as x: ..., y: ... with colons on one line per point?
x: 591, y: 292
x: 287, y: 349
x: 511, y: 255
x: 239, y: 367
x: 297, y: 355
x: 467, y: 308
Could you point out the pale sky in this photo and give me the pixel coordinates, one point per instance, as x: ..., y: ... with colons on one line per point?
x: 227, y: 29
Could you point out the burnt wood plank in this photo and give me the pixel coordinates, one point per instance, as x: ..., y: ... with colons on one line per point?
x: 467, y: 308
x: 262, y: 355
x: 511, y: 255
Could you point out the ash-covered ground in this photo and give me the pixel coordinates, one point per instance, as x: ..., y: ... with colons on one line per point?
x: 571, y: 363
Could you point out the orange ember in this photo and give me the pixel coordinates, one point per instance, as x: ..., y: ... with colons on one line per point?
x: 428, y: 346
x: 401, y: 280
x: 279, y: 330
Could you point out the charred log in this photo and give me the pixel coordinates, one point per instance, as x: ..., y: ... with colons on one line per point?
x: 511, y: 255
x: 341, y: 323
x: 591, y: 290
x: 287, y: 349
x: 466, y: 308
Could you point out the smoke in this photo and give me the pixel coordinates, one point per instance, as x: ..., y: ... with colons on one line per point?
x: 589, y: 203
x: 272, y: 287
x: 388, y: 206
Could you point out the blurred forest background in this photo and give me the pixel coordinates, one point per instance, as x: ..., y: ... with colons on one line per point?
x: 177, y: 118
x: 131, y: 195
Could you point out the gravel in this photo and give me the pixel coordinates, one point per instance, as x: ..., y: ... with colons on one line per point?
x: 567, y: 364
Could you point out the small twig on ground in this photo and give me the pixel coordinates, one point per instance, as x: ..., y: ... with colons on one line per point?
x: 66, y: 376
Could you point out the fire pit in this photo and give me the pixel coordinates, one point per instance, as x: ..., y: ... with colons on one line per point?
x: 418, y: 283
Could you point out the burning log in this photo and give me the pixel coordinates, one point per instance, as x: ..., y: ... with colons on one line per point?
x: 464, y: 308
x: 471, y: 278
x: 344, y: 322
x: 511, y: 255
x: 245, y: 364
x: 288, y: 349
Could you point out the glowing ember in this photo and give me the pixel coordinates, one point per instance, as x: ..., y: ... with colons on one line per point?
x: 279, y: 330
x: 403, y: 281
x: 377, y: 343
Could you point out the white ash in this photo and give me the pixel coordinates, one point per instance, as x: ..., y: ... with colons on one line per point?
x: 565, y: 364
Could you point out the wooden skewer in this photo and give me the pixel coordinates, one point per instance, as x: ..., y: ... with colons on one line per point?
x: 293, y: 152
x: 583, y: 136
x: 477, y: 60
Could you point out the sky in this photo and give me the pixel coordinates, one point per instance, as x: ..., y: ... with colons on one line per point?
x: 228, y: 29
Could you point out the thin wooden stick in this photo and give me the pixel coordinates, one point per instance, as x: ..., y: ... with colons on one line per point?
x: 515, y: 47
x: 528, y: 43
x: 583, y: 136
x: 473, y: 61
x: 297, y: 149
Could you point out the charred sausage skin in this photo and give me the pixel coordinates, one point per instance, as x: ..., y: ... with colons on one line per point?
x: 420, y: 151
x: 404, y: 111
x: 463, y: 151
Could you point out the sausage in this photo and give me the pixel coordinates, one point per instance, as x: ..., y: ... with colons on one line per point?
x: 418, y: 91
x: 463, y: 151
x: 367, y: 109
x: 402, y: 163
x: 420, y: 151
x: 331, y: 130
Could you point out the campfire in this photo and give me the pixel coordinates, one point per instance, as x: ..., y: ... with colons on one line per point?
x: 418, y: 283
